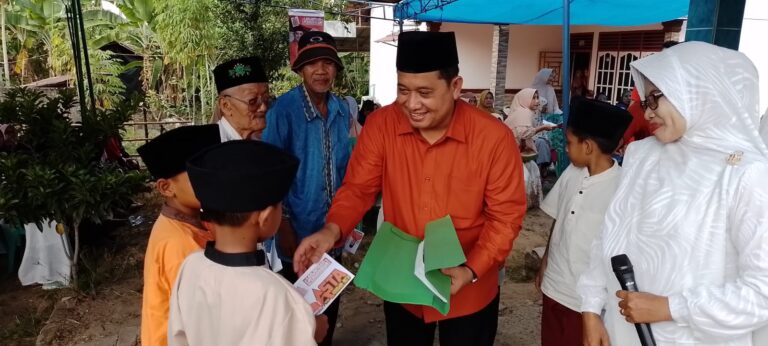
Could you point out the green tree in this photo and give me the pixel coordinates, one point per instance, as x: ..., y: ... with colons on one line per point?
x: 187, y: 32
x: 56, y: 172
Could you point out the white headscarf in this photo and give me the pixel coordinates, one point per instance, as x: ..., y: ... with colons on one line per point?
x: 693, y: 222
x: 546, y: 91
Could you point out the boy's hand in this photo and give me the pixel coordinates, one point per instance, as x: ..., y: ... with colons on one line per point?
x: 313, y: 247
x: 321, y: 327
x: 460, y: 277
x: 594, y: 330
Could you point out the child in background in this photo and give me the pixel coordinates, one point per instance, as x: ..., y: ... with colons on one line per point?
x: 578, y: 202
x: 177, y: 231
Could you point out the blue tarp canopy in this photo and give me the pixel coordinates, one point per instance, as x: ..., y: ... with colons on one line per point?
x: 543, y: 12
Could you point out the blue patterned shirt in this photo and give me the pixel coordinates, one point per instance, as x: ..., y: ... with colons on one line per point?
x: 322, y: 147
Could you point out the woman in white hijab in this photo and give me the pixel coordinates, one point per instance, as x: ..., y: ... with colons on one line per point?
x: 520, y: 121
x: 543, y: 83
x: 691, y: 211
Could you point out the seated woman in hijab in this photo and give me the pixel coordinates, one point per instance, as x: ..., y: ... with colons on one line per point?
x: 543, y: 83
x: 486, y: 103
x: 520, y: 121
x: 690, y: 211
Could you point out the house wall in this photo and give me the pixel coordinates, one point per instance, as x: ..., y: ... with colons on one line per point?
x: 525, y: 43
x: 752, y: 43
x: 382, y: 72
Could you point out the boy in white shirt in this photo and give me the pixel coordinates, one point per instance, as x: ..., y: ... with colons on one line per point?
x: 225, y: 295
x: 578, y: 202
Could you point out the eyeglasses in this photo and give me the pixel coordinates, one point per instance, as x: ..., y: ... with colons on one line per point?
x: 254, y: 103
x: 652, y: 100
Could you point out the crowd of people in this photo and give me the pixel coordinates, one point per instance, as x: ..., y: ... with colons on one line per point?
x: 252, y: 201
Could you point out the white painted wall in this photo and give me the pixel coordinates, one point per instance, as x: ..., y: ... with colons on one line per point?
x: 382, y: 72
x: 752, y: 43
x: 475, y: 43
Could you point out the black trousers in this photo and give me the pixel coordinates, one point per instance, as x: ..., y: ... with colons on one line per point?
x: 332, y: 311
x: 478, y: 329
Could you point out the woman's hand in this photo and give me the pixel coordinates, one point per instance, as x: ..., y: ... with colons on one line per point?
x: 594, y: 330
x: 642, y: 307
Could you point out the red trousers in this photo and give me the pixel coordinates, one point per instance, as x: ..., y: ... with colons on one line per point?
x: 560, y: 326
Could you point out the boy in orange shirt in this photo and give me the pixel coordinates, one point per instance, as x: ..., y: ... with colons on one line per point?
x: 178, y: 230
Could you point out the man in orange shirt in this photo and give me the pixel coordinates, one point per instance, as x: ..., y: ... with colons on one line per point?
x: 431, y: 154
x: 178, y: 230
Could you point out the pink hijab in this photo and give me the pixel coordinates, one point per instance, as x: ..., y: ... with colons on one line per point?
x: 520, y: 119
x: 520, y: 109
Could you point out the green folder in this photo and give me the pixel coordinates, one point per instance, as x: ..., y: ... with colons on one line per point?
x: 390, y: 266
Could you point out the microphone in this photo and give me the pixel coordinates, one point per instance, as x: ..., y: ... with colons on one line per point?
x: 622, y: 267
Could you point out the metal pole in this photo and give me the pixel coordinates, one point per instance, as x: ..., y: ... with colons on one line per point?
x: 73, y: 37
x: 79, y: 11
x: 566, y: 72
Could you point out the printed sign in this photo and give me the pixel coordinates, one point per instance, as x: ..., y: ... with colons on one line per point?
x: 300, y: 22
x: 322, y: 283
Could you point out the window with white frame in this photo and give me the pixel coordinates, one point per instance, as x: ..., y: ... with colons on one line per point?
x: 616, y: 51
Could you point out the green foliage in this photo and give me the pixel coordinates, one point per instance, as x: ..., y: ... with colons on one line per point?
x: 55, y: 173
x: 180, y: 42
x: 285, y: 79
x: 353, y: 81
x: 107, y: 86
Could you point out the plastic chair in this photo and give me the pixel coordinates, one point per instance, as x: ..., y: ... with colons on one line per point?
x: 12, y: 237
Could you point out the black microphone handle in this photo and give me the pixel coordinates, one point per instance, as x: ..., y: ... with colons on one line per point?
x: 645, y: 334
x: 627, y: 282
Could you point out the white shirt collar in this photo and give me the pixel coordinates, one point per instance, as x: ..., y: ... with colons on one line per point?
x: 227, y: 132
x: 607, y: 174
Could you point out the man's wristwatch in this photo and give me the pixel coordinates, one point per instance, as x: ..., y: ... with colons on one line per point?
x: 474, y: 276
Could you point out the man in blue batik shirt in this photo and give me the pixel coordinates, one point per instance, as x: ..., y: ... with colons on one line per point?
x: 313, y: 124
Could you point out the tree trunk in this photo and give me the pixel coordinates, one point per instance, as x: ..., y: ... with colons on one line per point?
x: 75, y: 255
x: 203, y: 95
x: 5, y: 45
x: 192, y: 94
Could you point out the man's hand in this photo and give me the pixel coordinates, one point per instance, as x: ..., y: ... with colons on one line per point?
x: 594, y: 330
x: 321, y: 327
x: 286, y: 239
x: 460, y: 277
x: 313, y: 247
x: 641, y: 307
x: 540, y: 274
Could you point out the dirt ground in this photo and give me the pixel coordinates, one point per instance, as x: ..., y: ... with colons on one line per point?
x: 109, y: 313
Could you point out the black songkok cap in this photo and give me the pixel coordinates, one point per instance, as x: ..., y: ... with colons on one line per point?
x: 166, y: 155
x: 241, y: 176
x: 598, y: 119
x: 316, y: 45
x: 422, y: 51
x: 238, y: 72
